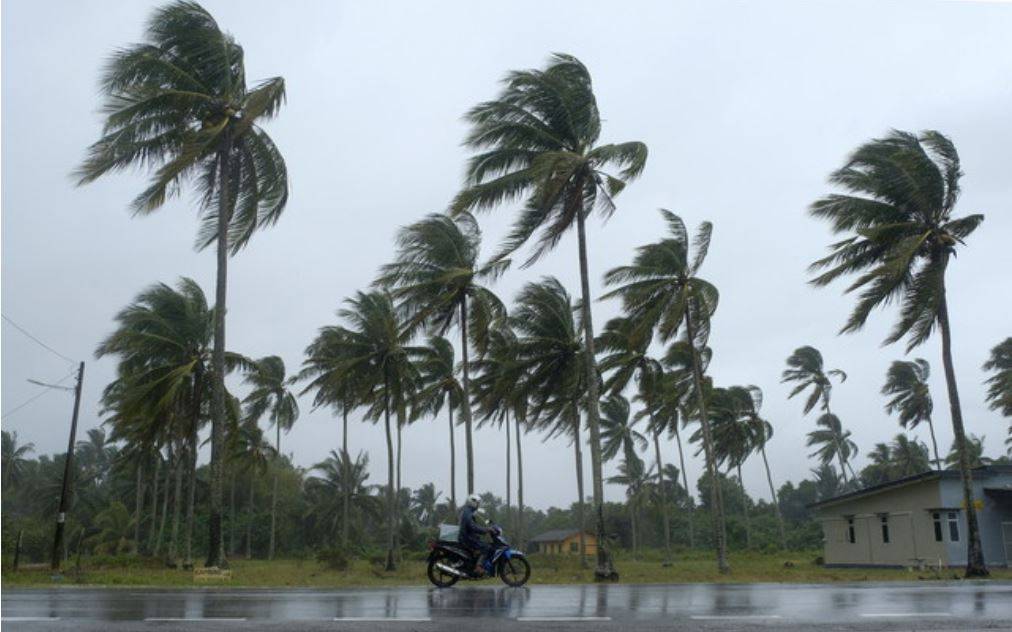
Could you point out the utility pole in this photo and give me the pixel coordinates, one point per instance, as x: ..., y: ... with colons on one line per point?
x: 61, y: 517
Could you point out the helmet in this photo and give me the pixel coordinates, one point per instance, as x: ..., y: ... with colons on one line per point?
x: 473, y: 501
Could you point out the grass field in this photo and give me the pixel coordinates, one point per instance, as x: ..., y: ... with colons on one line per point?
x: 688, y: 567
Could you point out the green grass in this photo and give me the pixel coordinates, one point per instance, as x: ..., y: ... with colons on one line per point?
x: 688, y: 567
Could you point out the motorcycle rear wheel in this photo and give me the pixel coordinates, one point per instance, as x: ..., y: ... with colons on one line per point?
x: 515, y: 571
x: 438, y: 577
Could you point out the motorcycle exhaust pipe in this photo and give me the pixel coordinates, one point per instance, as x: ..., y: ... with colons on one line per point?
x: 450, y: 570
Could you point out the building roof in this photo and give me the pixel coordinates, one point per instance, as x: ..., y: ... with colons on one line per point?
x: 985, y: 470
x: 555, y: 535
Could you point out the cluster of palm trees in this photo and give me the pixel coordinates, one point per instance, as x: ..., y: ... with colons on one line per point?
x: 180, y: 104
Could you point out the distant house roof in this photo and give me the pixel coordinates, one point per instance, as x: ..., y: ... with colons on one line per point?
x: 555, y: 535
x: 984, y: 470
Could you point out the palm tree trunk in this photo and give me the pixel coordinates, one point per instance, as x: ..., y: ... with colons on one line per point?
x: 231, y: 514
x: 839, y: 447
x: 138, y: 507
x: 773, y: 495
x: 191, y: 492
x: 509, y: 474
x: 685, y: 484
x: 975, y: 566
x: 580, y: 517
x: 346, y: 508
x: 153, y: 529
x: 663, y: 495
x: 274, y: 493
x: 934, y: 445
x: 465, y: 405
x: 605, y: 568
x: 177, y: 494
x: 744, y: 508
x: 165, y: 505
x: 401, y: 415
x: 453, y: 459
x: 716, y: 501
x: 215, y: 542
x: 520, y: 485
x: 390, y: 476
x: 632, y: 526
x: 249, y: 518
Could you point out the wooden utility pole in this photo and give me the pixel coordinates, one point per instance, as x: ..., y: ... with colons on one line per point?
x: 61, y: 517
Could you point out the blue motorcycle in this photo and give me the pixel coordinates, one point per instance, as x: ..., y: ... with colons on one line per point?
x: 450, y: 562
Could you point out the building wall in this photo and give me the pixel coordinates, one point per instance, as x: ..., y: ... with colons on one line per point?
x: 570, y: 546
x: 991, y: 513
x: 911, y: 530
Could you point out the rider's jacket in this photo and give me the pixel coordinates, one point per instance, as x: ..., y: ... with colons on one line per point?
x: 470, y: 531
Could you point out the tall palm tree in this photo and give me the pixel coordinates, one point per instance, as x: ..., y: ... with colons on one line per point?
x: 625, y: 357
x: 179, y: 103
x: 337, y: 480
x: 272, y: 396
x: 249, y: 452
x: 999, y: 385
x: 832, y: 442
x: 806, y: 370
x: 537, y: 141
x: 14, y: 458
x: 907, y: 384
x: 897, y: 213
x: 440, y: 387
x: 909, y: 456
x: 437, y: 278
x: 424, y: 501
x: 618, y: 431
x: 636, y: 477
x: 733, y: 440
x: 827, y: 482
x: 661, y: 291
x: 551, y: 357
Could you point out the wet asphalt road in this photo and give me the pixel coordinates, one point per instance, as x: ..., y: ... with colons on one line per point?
x: 865, y: 606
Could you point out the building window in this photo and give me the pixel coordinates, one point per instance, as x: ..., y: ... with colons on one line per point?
x: 953, y: 526
x: 851, y: 534
x: 937, y: 519
x: 884, y: 519
x: 574, y: 547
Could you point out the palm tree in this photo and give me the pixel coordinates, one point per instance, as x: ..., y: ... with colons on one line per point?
x: 634, y: 475
x: 907, y: 384
x: 179, y: 103
x: 999, y: 385
x: 901, y: 193
x: 733, y: 440
x: 424, y: 501
x: 14, y: 461
x: 806, y: 369
x: 440, y: 387
x: 625, y: 357
x: 974, y: 451
x: 339, y: 478
x: 551, y: 357
x: 661, y: 292
x: 909, y: 457
x: 618, y: 430
x: 272, y: 396
x: 826, y: 481
x: 537, y: 141
x: 249, y: 452
x: 832, y: 442
x: 437, y: 279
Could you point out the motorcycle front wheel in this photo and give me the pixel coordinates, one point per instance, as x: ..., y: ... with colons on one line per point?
x: 515, y: 571
x: 439, y: 577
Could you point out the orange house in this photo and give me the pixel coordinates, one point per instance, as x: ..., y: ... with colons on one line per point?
x: 564, y: 542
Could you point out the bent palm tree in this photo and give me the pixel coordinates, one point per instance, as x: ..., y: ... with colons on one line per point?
x: 537, y: 141
x: 901, y: 193
x: 806, y: 369
x: 271, y: 396
x: 831, y: 442
x: 440, y: 387
x: 437, y: 279
x: 999, y: 385
x: 907, y: 383
x: 661, y: 292
x: 179, y: 103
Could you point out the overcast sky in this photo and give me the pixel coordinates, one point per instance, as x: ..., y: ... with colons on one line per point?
x: 746, y: 107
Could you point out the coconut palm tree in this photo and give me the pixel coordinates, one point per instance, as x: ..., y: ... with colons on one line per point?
x: 424, y: 501
x: 551, y: 357
x: 636, y: 477
x: 537, y: 141
x: 625, y: 357
x: 832, y: 442
x: 909, y: 456
x: 806, y: 370
x: 271, y: 396
x: 974, y: 453
x: 999, y: 385
x: 14, y: 458
x: 827, y: 482
x: 251, y: 453
x: 337, y: 480
x: 897, y: 215
x: 907, y: 385
x: 440, y: 387
x: 661, y: 291
x: 618, y: 431
x: 437, y: 279
x: 178, y: 103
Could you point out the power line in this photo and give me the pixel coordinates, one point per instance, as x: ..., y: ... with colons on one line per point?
x: 42, y: 344
x: 36, y: 396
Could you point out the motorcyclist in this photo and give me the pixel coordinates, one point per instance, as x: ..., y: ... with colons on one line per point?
x: 470, y: 533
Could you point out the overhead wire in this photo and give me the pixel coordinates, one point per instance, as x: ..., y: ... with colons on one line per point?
x: 31, y: 399
x: 36, y: 340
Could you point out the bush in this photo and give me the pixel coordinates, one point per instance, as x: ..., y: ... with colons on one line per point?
x: 334, y: 559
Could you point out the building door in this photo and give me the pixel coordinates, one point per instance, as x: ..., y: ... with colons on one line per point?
x: 1006, y: 531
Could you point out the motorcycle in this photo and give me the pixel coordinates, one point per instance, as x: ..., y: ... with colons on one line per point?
x: 450, y: 562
